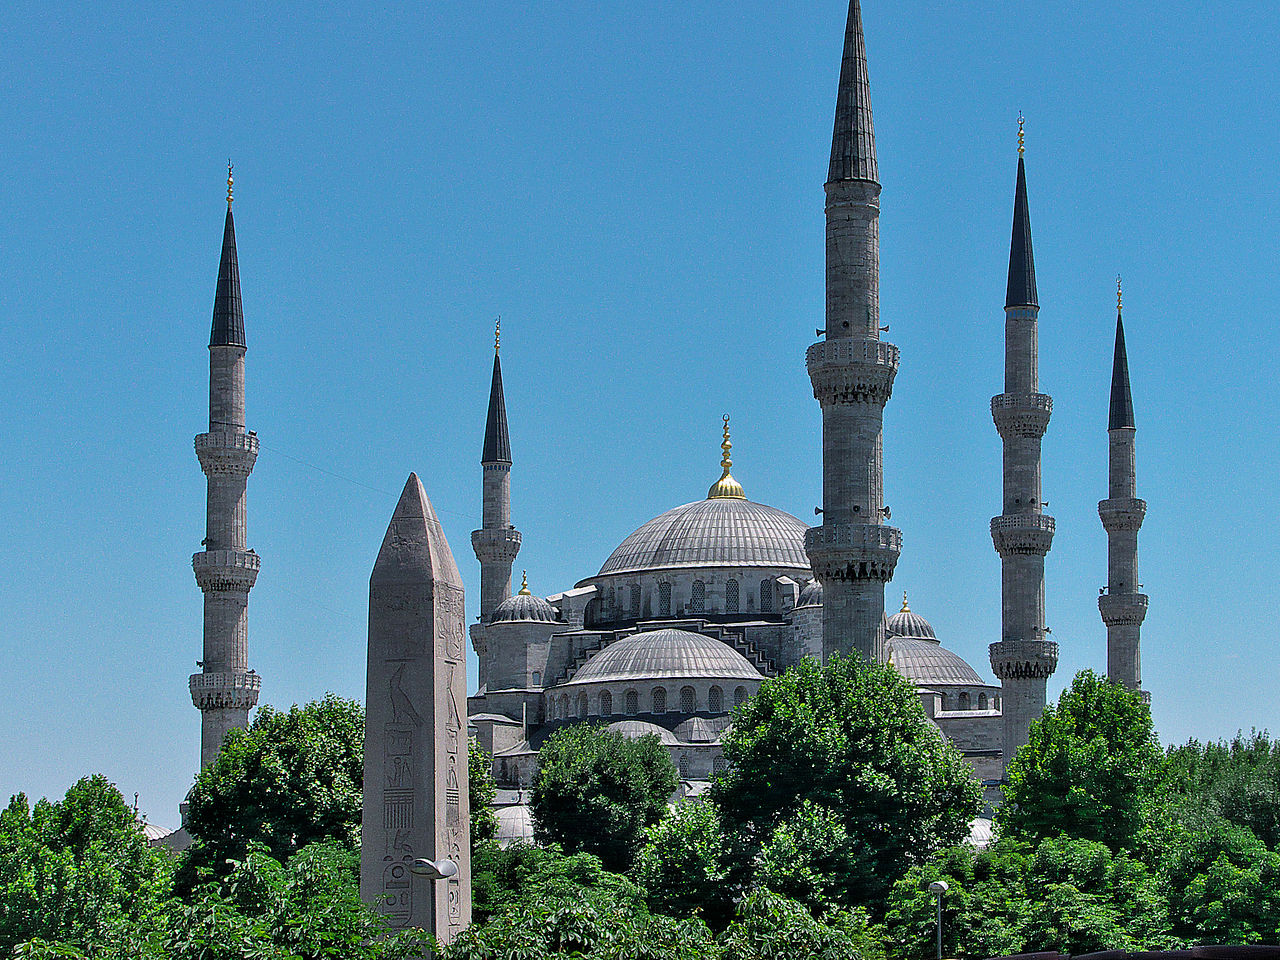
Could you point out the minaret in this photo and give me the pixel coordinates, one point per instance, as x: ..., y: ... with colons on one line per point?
x: 1023, y: 659
x: 853, y: 553
x: 1123, y: 608
x: 497, y: 542
x: 226, y: 690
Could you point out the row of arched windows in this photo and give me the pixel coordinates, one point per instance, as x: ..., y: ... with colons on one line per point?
x: 559, y: 707
x: 698, y: 597
x: 964, y: 702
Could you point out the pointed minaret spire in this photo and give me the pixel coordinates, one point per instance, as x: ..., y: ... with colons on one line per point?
x: 497, y: 443
x: 853, y: 144
x: 1022, y: 262
x: 228, y: 315
x: 1121, y: 397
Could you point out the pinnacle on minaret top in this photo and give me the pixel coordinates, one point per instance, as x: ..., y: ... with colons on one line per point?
x: 497, y: 443
x: 1021, y: 291
x: 228, y: 314
x: 1121, y: 415
x: 853, y: 144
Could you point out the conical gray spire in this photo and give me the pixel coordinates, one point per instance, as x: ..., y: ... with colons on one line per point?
x: 853, y: 145
x: 228, y: 315
x: 1121, y: 397
x: 497, y: 445
x: 1022, y: 262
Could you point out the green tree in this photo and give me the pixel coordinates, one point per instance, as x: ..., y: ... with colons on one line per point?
x: 78, y: 870
x: 290, y: 779
x: 1090, y: 770
x: 849, y: 738
x: 481, y: 793
x: 809, y: 858
x: 596, y: 791
x: 683, y: 865
x: 771, y: 927
x: 1239, y: 781
x: 504, y: 878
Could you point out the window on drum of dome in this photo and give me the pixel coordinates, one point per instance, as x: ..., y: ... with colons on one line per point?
x: 731, y: 597
x: 606, y: 703
x: 664, y: 599
x: 564, y: 706
x: 608, y: 606
x: 982, y: 701
x: 659, y: 700
x: 582, y: 704
x: 766, y: 596
x: 698, y: 597
x: 632, y: 700
x: 684, y: 766
x: 964, y: 700
x: 715, y: 700
x: 635, y: 599
x: 537, y: 678
x: 687, y: 700
x: 719, y: 765
x: 739, y: 696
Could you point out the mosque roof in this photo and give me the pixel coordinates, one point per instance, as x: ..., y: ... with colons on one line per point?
x: 703, y: 729
x: 524, y: 606
x: 904, y: 623
x: 666, y: 655
x: 642, y: 728
x: 927, y: 663
x: 515, y: 825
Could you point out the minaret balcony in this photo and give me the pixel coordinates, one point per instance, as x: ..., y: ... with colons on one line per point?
x: 1024, y: 659
x: 1023, y: 415
x: 852, y: 370
x: 496, y: 546
x: 1122, y: 514
x: 227, y: 455
x: 225, y: 691
x: 853, y: 551
x: 1022, y: 534
x: 1122, y: 608
x: 226, y: 571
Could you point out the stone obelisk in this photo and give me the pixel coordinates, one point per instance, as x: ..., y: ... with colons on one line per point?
x: 415, y: 733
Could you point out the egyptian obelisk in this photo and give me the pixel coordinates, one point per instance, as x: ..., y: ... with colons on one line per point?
x: 415, y: 738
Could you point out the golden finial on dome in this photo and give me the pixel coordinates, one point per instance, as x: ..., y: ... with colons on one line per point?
x: 524, y: 585
x: 1119, y: 296
x: 726, y: 488
x: 905, y: 608
x: 1022, y: 146
x: 230, y: 183
x: 497, y: 333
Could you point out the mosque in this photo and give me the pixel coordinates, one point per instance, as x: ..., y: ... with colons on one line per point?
x: 700, y: 605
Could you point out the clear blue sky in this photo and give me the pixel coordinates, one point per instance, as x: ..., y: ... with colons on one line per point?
x: 637, y: 189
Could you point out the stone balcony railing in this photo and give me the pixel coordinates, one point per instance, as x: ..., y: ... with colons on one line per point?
x: 226, y: 570
x: 852, y: 370
x: 1021, y: 414
x: 230, y: 455
x: 221, y: 691
x: 1022, y: 534
x: 853, y: 551
x: 1118, y: 608
x: 1122, y: 514
x: 496, y: 545
x: 1024, y: 659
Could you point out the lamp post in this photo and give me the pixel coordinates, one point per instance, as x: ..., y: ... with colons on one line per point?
x: 938, y: 888
x: 433, y: 870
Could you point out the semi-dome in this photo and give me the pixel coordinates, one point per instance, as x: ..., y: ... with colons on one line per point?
x: 524, y: 606
x: 810, y: 595
x: 927, y: 663
x: 904, y: 623
x: 719, y: 532
x: 666, y: 655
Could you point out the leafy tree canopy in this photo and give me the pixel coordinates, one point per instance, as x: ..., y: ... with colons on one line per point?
x: 851, y: 739
x: 683, y: 866
x: 1091, y: 768
x: 596, y: 791
x: 480, y: 793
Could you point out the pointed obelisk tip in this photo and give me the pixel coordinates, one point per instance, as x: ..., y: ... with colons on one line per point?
x: 415, y: 546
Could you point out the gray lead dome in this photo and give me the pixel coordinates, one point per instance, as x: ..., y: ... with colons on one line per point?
x: 666, y: 654
x: 713, y: 533
x: 524, y: 607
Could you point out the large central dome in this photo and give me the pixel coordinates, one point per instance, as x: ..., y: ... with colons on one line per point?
x: 719, y: 532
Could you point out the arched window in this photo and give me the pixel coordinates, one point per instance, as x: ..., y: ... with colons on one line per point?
x: 684, y: 766
x: 632, y: 700
x: 698, y: 597
x: 766, y: 596
x: 664, y: 599
x: 606, y: 703
x: 739, y: 696
x: 582, y: 704
x: 964, y: 700
x: 564, y: 706
x: 635, y: 599
x: 537, y: 678
x: 731, y: 597
x: 942, y: 701
x: 997, y: 702
x: 719, y: 765
x: 503, y: 775
x: 687, y: 700
x: 608, y: 604
x: 982, y: 701
x: 715, y: 700
x: 659, y: 700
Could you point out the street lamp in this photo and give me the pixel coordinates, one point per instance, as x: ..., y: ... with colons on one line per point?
x: 938, y: 888
x: 433, y: 870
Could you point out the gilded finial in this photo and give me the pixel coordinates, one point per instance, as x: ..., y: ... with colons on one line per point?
x: 230, y: 183
x: 497, y: 333
x: 905, y: 608
x: 726, y: 488
x: 1119, y: 296
x: 1022, y: 146
x: 524, y: 584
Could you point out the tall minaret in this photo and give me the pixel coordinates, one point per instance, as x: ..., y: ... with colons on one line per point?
x: 226, y: 690
x: 1023, y: 659
x: 1123, y: 608
x: 496, y: 542
x: 853, y: 553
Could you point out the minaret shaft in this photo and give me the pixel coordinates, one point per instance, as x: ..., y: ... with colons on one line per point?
x: 225, y: 690
x: 853, y: 553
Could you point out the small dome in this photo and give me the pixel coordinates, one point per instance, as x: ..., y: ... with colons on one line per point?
x: 640, y: 728
x: 927, y: 663
x: 904, y: 623
x: 524, y: 606
x: 515, y: 825
x: 811, y: 595
x: 666, y: 655
x: 702, y: 729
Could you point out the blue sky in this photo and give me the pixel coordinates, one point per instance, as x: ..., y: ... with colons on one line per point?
x: 637, y: 190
